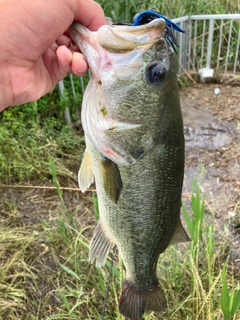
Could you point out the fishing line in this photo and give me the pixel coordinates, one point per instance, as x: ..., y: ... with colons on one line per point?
x: 108, y: 285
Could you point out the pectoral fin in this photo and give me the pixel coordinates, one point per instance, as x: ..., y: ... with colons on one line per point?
x: 112, y: 182
x: 180, y: 235
x: 85, y: 173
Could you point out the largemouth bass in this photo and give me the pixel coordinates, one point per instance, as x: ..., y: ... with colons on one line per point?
x: 133, y: 128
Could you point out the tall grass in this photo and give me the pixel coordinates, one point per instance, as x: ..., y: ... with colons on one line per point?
x: 125, y: 10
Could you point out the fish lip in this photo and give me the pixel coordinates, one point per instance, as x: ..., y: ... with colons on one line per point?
x: 128, y: 37
x: 156, y: 23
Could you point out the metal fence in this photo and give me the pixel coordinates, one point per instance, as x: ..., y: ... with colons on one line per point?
x: 212, y: 42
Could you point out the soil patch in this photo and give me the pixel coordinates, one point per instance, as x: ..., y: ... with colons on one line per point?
x: 212, y: 135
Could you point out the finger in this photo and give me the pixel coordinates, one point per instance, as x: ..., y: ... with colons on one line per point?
x: 64, y: 56
x: 71, y: 62
x: 57, y: 65
x: 79, y: 65
x: 66, y: 41
x: 63, y: 41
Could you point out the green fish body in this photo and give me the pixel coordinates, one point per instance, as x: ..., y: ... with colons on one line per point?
x: 135, y: 152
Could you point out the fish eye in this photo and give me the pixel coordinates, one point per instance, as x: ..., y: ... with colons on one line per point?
x: 156, y: 74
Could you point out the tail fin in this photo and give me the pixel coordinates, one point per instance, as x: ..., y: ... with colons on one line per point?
x: 134, y: 301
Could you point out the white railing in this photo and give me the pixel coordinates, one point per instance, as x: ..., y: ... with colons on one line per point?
x: 212, y: 41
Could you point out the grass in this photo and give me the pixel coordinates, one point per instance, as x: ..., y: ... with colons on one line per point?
x: 26, y: 140
x: 124, y: 10
x: 230, y: 302
x: 45, y: 273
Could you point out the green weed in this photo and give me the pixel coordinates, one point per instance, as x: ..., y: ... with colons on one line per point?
x: 95, y: 206
x: 26, y: 140
x: 230, y: 302
x: 195, y: 224
x: 125, y: 10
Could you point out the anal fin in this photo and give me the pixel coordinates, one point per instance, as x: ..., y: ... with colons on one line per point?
x: 180, y: 235
x: 112, y: 181
x: 85, y: 173
x: 99, y: 246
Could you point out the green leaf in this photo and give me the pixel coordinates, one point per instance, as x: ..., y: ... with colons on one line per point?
x: 95, y: 206
x: 227, y: 315
x: 236, y: 302
x: 188, y: 220
x: 225, y: 292
x: 210, y: 241
x: 72, y: 273
x: 225, y: 297
x: 65, y: 301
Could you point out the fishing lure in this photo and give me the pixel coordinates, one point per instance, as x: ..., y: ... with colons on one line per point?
x: 149, y: 15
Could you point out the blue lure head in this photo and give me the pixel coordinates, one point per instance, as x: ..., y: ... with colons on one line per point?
x: 149, y: 15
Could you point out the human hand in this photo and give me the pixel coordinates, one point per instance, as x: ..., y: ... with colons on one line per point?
x: 36, y: 52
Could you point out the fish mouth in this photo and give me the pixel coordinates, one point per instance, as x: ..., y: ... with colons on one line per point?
x: 121, y: 38
x: 103, y: 48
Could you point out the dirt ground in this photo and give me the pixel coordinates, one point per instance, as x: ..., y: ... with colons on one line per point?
x: 211, y: 114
